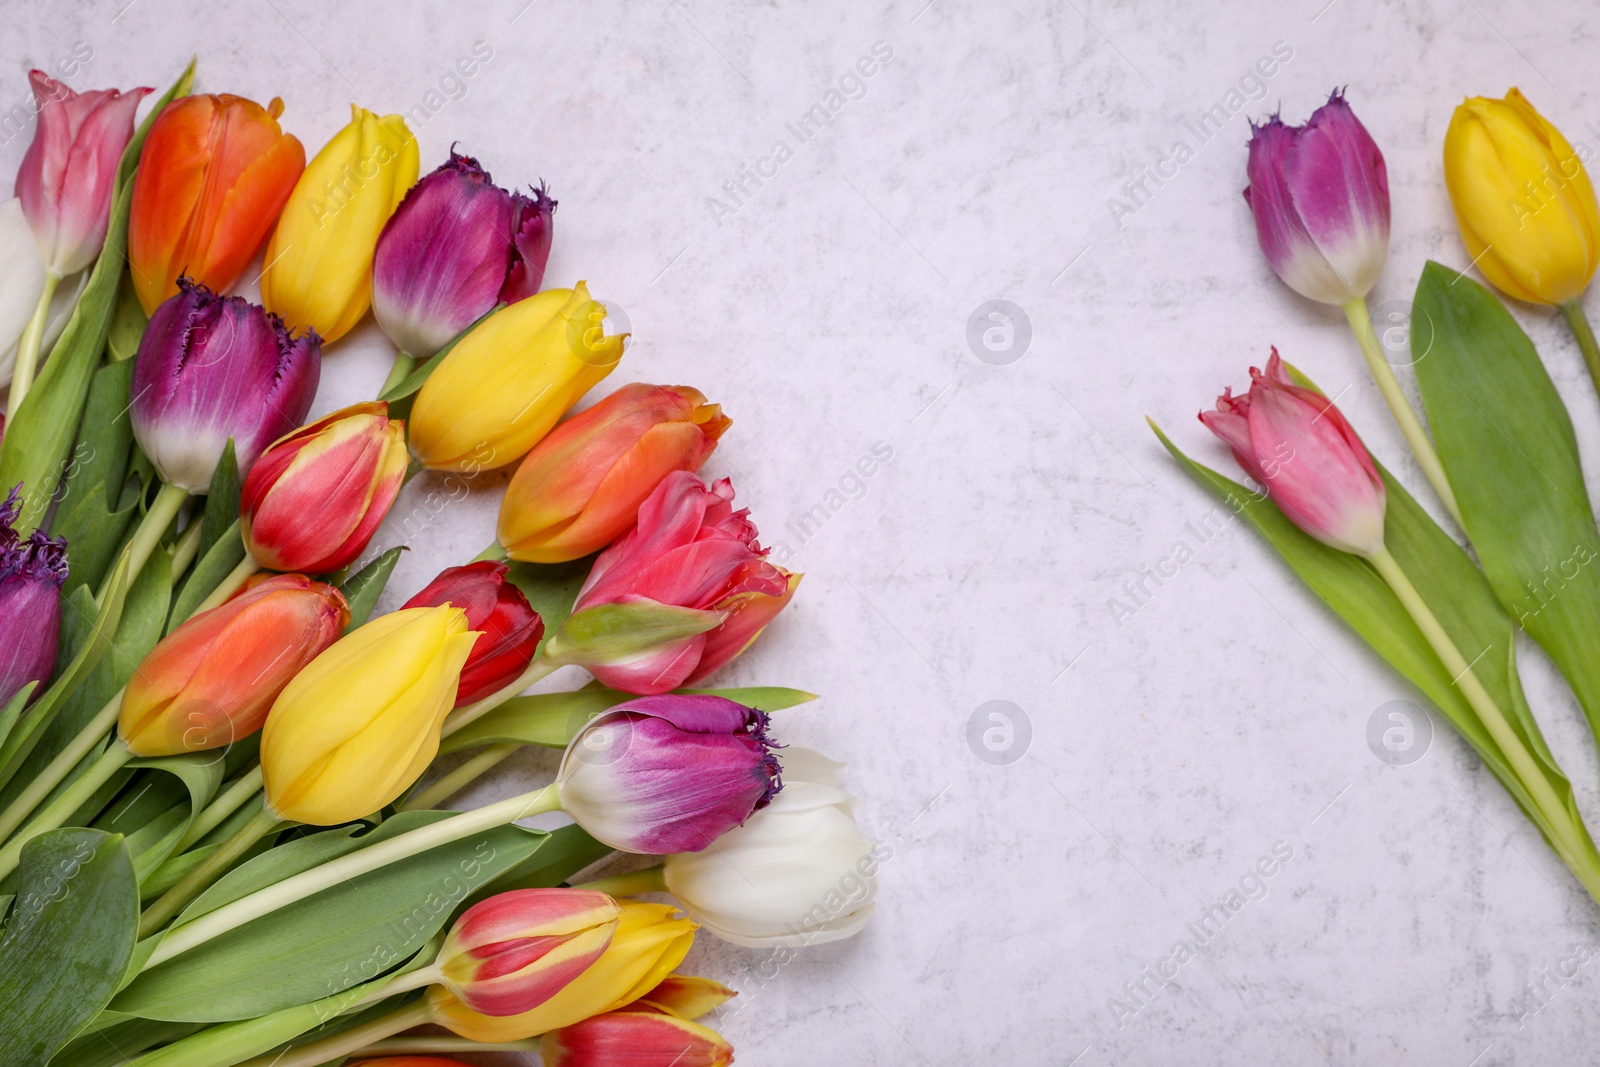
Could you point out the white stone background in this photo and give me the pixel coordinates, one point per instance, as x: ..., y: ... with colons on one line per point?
x: 829, y: 313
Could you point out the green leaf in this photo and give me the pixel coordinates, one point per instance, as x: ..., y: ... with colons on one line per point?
x: 222, y: 500
x: 608, y: 632
x: 67, y: 940
x: 92, y: 514
x: 208, y: 573
x: 13, y: 708
x: 200, y: 773
x: 363, y: 588
x: 413, y: 381
x: 1507, y: 445
x: 128, y: 321
x: 112, y: 1038
x: 551, y: 588
x: 328, y: 941
x: 1448, y: 581
x: 569, y: 850
x: 552, y: 719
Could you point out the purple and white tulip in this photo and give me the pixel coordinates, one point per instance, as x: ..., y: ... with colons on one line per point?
x: 67, y: 175
x: 457, y: 245
x: 671, y: 773
x: 1320, y: 196
x: 213, y: 367
x: 32, y: 571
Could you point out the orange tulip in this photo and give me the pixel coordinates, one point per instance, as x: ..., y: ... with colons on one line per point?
x: 215, y: 173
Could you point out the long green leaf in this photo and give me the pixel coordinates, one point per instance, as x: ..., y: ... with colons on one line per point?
x: 213, y: 566
x: 363, y: 588
x: 92, y: 514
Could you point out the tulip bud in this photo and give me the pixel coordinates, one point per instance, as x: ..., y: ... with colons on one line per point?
x: 1320, y: 197
x: 772, y: 881
x: 514, y: 951
x: 640, y: 1039
x: 581, y: 487
x: 359, y: 724
x: 504, y: 385
x: 214, y: 173
x: 211, y: 681
x: 68, y: 174
x: 1522, y: 199
x: 32, y: 571
x: 21, y: 281
x: 453, y: 249
x: 319, y: 261
x: 210, y: 368
x: 648, y: 944
x: 669, y: 773
x: 692, y: 551
x: 316, y: 496
x: 1294, y: 442
x: 496, y: 608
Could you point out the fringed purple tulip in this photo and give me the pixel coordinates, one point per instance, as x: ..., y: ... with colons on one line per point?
x: 1320, y: 196
x: 213, y: 367
x: 66, y: 177
x: 32, y: 571
x: 671, y: 773
x: 457, y: 245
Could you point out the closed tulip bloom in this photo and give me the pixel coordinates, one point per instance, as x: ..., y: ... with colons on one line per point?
x: 316, y: 496
x: 1320, y: 197
x: 649, y: 942
x: 644, y: 1039
x: 1522, y: 199
x: 496, y: 608
x: 69, y: 171
x: 506, y: 383
x: 581, y: 487
x: 798, y: 872
x: 453, y: 249
x: 21, y: 281
x: 212, y: 680
x: 32, y: 572
x: 361, y: 722
x: 514, y: 951
x: 692, y: 550
x: 669, y: 773
x: 319, y: 261
x: 213, y: 176
x: 210, y: 368
x: 1296, y: 444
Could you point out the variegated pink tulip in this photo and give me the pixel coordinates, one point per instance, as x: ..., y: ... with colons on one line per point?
x: 1295, y: 442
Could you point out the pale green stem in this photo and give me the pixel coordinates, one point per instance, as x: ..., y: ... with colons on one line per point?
x: 1578, y: 322
x: 187, y: 548
x: 154, y: 524
x: 28, y: 347
x: 214, y: 866
x: 217, y: 812
x: 405, y: 1046
x: 496, y: 551
x: 460, y: 778
x: 403, y: 365
x: 346, y: 1041
x: 297, y: 887
x: 230, y: 585
x: 1569, y: 841
x: 58, y: 811
x: 58, y: 769
x: 538, y: 669
x: 649, y: 880
x: 1400, y: 407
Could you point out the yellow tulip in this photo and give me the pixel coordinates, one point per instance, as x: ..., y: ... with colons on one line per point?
x: 361, y: 722
x: 650, y: 941
x: 319, y: 263
x: 505, y: 384
x: 1523, y: 201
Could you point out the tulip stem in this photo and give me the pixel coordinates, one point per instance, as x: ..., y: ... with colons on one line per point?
x: 225, y: 804
x: 460, y: 778
x: 538, y: 668
x: 230, y: 585
x: 345, y: 1042
x: 402, y: 846
x: 1578, y: 323
x: 495, y: 552
x: 649, y: 880
x: 214, y: 866
x: 187, y: 548
x: 58, y: 811
x: 58, y: 769
x: 1406, y: 418
x: 1567, y: 834
x: 28, y: 347
x: 150, y: 531
x: 403, y: 365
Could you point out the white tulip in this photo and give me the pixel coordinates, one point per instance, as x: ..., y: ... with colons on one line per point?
x: 798, y: 872
x: 21, y: 281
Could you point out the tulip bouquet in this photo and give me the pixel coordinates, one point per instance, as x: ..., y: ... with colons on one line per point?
x: 1499, y: 450
x: 222, y: 775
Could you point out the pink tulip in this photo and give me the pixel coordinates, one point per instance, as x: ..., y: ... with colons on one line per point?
x: 67, y: 175
x: 1296, y: 444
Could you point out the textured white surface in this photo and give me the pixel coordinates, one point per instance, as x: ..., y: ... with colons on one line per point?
x: 1171, y: 748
